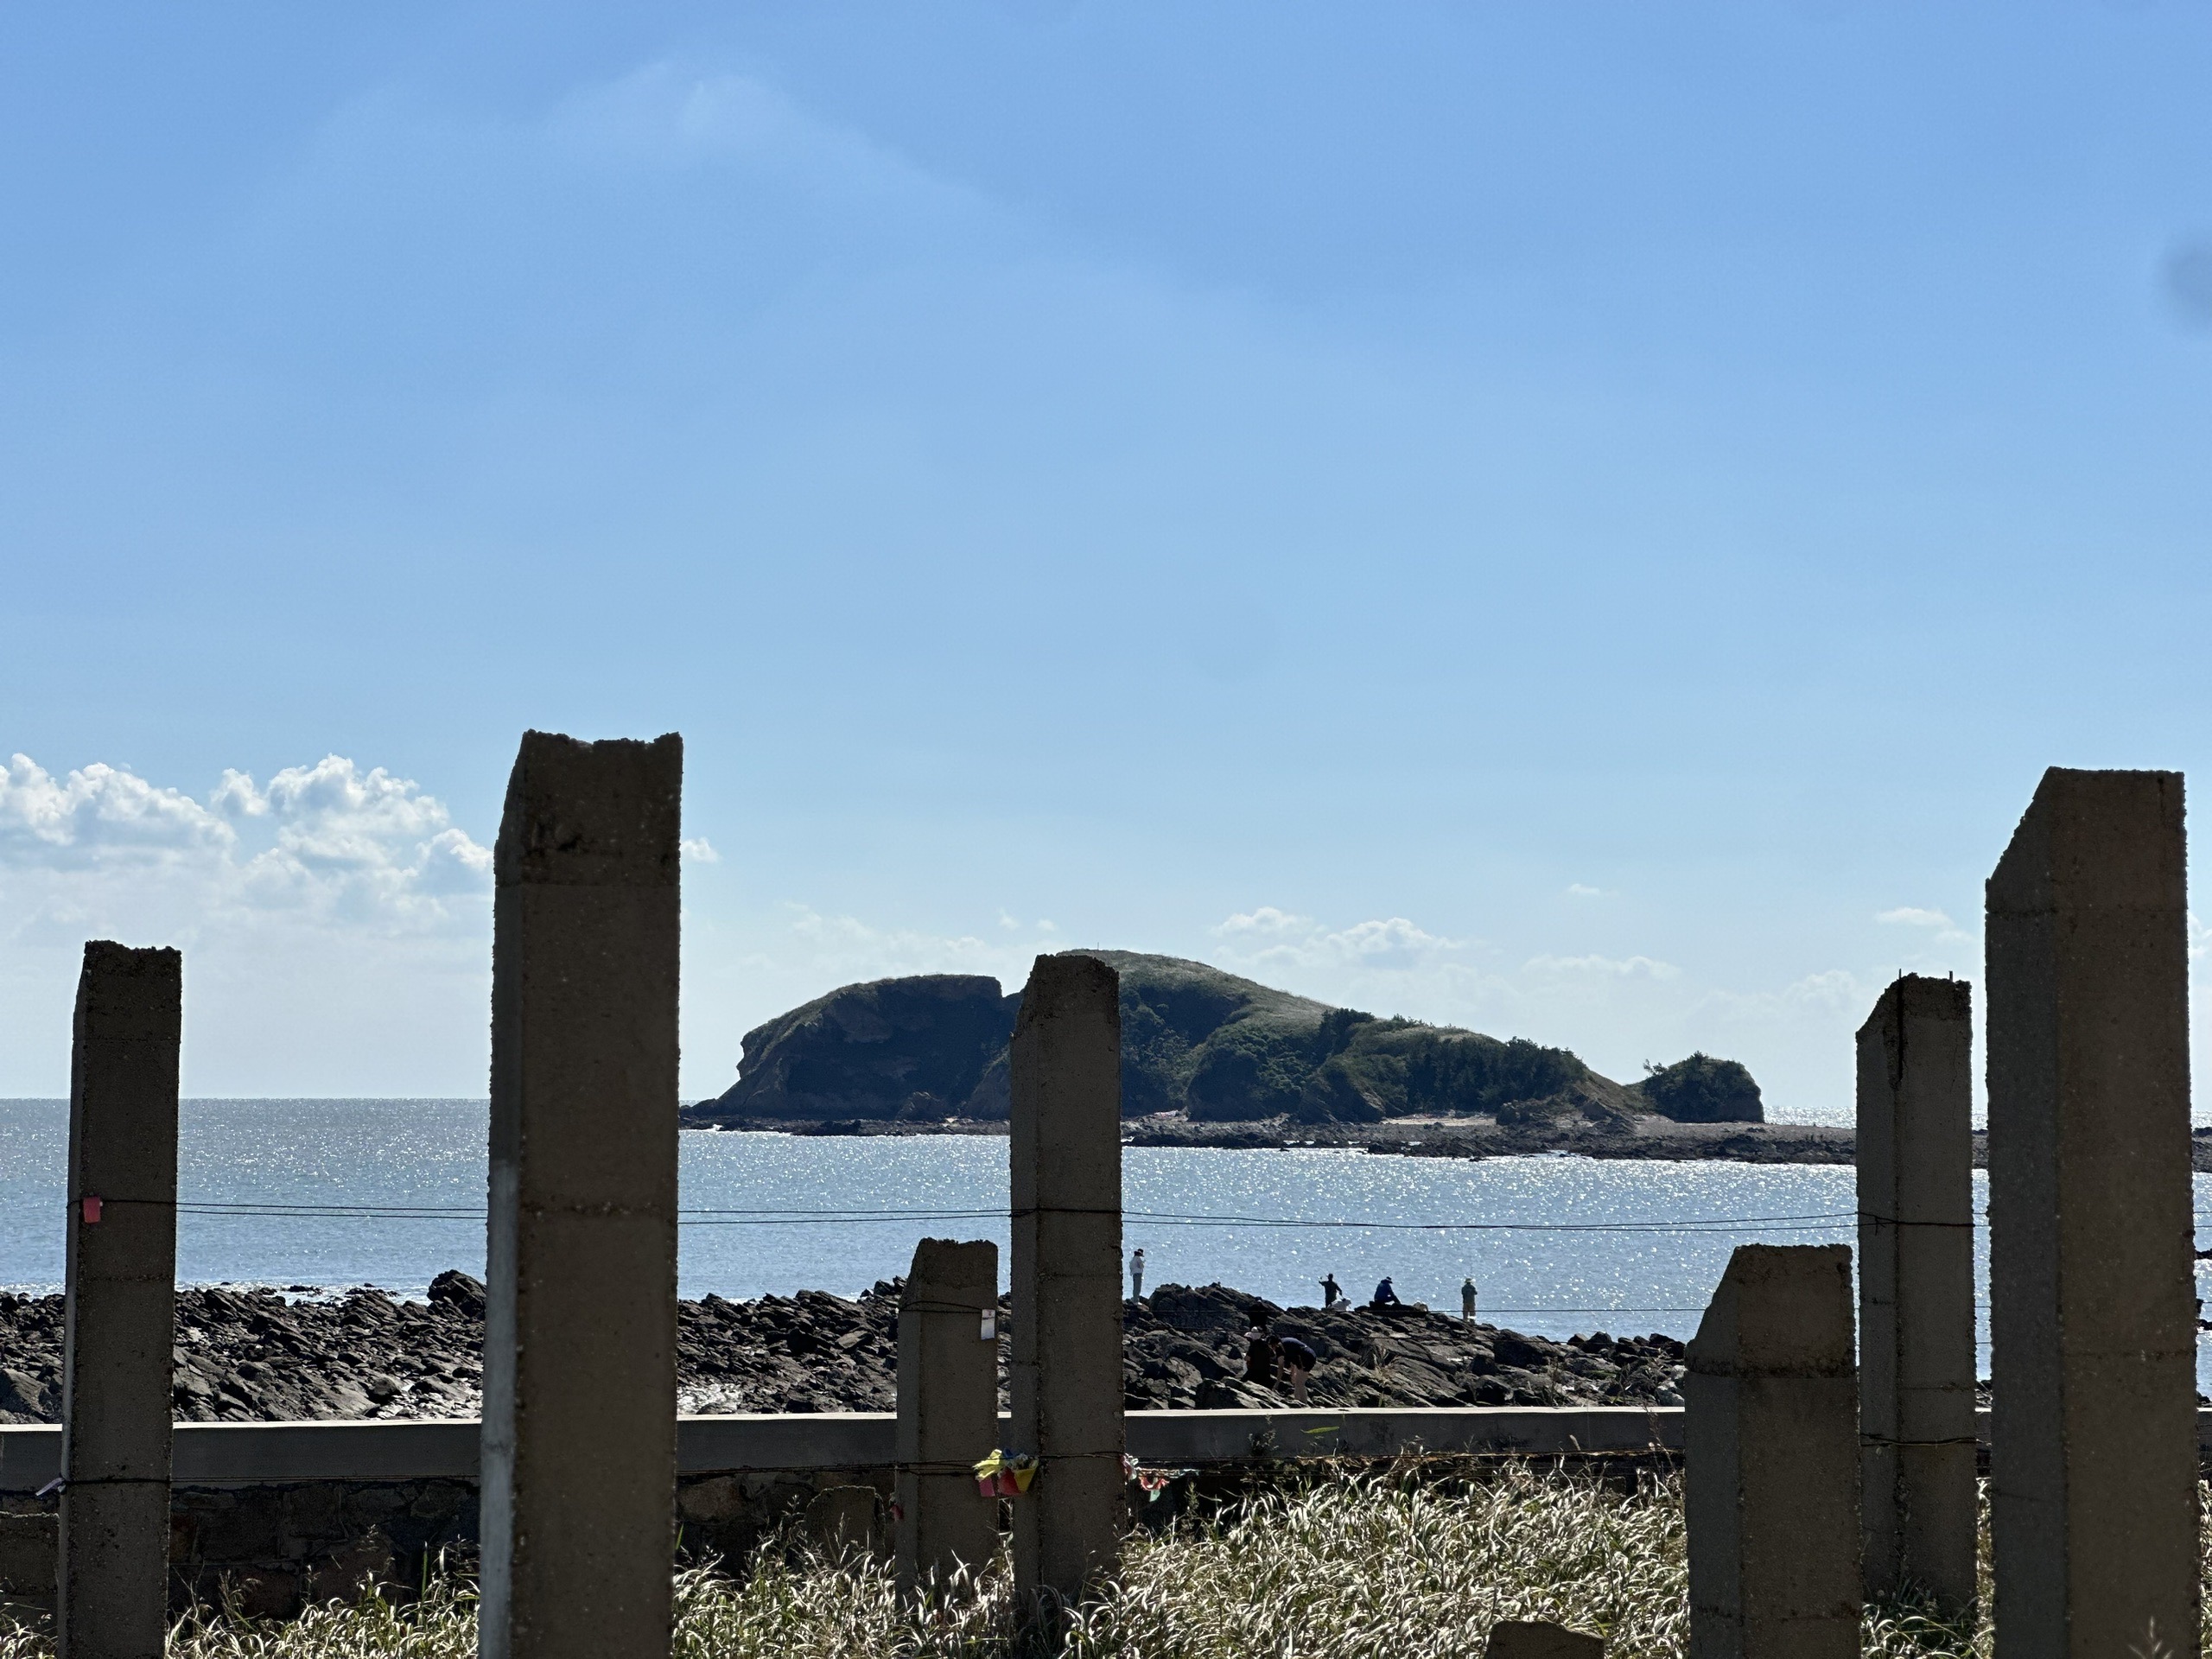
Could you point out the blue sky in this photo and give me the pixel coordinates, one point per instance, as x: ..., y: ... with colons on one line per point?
x: 1585, y: 521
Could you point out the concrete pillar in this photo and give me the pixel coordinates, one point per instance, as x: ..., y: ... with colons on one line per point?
x: 2093, y: 1500
x: 112, y: 1582
x: 1771, y: 1450
x: 1535, y: 1640
x: 579, y: 1451
x: 1916, y: 1290
x: 1065, y: 1380
x: 948, y: 1408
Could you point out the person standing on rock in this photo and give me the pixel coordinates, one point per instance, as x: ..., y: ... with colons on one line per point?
x: 1136, y: 1271
x: 1467, y: 1300
x: 1331, y: 1293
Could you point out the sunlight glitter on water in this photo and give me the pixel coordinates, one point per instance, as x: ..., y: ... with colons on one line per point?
x: 430, y: 1153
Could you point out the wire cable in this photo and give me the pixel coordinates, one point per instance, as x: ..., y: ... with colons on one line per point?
x: 1825, y: 1221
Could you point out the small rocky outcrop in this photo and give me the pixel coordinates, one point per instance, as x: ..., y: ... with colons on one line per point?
x: 1185, y: 1347
x: 1703, y: 1090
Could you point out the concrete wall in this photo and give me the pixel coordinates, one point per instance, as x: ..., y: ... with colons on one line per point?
x: 305, y: 1509
x: 287, y: 1500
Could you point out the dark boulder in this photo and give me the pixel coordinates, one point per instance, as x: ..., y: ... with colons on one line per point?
x: 455, y: 1289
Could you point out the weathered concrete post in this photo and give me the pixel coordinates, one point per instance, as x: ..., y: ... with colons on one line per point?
x: 1916, y: 1290
x: 1771, y: 1443
x: 1066, y: 1380
x: 579, y: 1459
x: 113, y: 1578
x: 2093, y: 1502
x: 948, y: 1408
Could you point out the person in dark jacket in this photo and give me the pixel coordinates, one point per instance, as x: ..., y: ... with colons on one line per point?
x: 1385, y: 1296
x: 1259, y: 1354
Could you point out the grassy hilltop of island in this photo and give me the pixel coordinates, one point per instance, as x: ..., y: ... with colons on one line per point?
x: 1210, y: 1058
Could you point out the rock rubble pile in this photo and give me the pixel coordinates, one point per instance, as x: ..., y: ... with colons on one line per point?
x: 262, y: 1355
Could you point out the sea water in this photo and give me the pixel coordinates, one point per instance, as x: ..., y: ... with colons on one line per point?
x: 1556, y: 1245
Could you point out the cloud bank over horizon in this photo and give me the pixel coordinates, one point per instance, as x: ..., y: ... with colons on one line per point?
x: 328, y: 844
x: 336, y: 922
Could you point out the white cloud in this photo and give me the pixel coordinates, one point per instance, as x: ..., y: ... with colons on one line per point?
x: 327, y: 844
x: 1834, y: 991
x: 336, y: 923
x: 1912, y: 916
x: 1577, y: 890
x: 699, y: 850
x: 1942, y: 928
x: 97, y: 815
x: 1597, y: 967
x: 1268, y: 936
x: 664, y: 116
x: 817, y: 952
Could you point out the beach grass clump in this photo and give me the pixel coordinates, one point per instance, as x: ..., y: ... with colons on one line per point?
x: 1399, y: 1565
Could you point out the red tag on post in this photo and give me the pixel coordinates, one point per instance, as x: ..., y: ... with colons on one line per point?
x: 92, y: 1211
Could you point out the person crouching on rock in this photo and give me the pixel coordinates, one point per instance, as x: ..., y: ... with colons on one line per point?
x: 1260, y: 1354
x: 1386, y: 1296
x: 1298, y: 1364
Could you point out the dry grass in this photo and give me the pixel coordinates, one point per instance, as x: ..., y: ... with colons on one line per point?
x: 1374, y: 1567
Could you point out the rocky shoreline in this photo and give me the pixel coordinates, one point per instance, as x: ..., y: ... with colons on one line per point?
x: 262, y: 1355
x: 1656, y: 1139
x: 1653, y: 1139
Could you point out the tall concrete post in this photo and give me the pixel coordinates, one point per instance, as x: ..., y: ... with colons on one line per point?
x: 1916, y: 1290
x: 948, y: 1409
x: 579, y: 1453
x: 113, y: 1578
x: 1771, y: 1454
x: 1065, y: 1380
x: 2093, y: 1501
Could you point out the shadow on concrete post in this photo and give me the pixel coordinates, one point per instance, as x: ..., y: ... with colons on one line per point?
x: 948, y: 1410
x: 1536, y: 1639
x: 579, y: 1436
x: 1915, y: 1292
x: 1064, y: 1382
x: 1771, y: 1460
x: 112, y: 1582
x: 2093, y: 1489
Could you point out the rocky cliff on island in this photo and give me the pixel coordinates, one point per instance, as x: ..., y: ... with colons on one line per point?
x: 257, y: 1355
x: 1210, y: 1058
